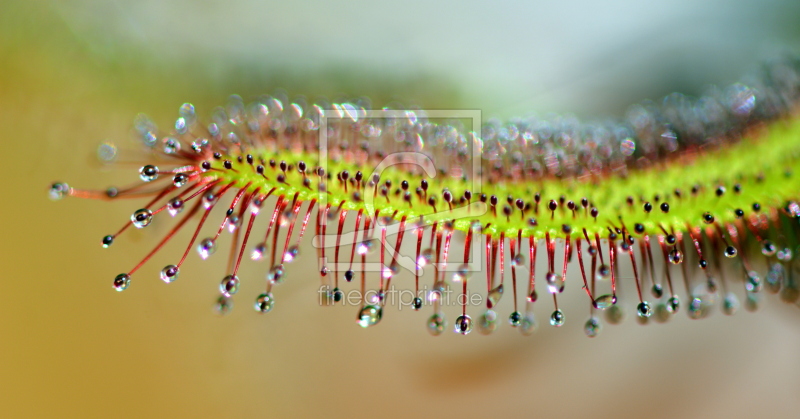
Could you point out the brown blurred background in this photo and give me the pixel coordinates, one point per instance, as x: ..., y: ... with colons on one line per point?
x: 73, y: 76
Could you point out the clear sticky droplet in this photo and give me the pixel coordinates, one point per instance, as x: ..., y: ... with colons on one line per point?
x: 148, y: 173
x: 58, y: 191
x: 425, y: 257
x: 437, y: 291
x: 657, y: 291
x: 555, y: 282
x: 369, y: 315
x: 175, y: 206
x: 264, y: 302
x: 615, y: 314
x: 463, y: 273
x: 644, y: 310
x: 776, y: 276
x: 416, y: 304
x: 675, y: 256
x: 366, y: 247
x: 603, y: 273
x: 291, y: 254
x: 515, y: 319
x: 768, y: 248
x: 171, y: 146
x: 528, y: 325
x: 169, y: 274
x: 494, y: 296
x: 730, y: 304
x: 276, y: 274
x: 604, y: 301
x: 234, y: 222
x: 121, y: 282
x: 209, y: 200
x: 662, y: 314
x: 673, y: 304
x: 463, y: 324
x: 259, y: 251
x: 436, y: 324
x: 223, y: 305
x: 592, y: 327
x: 487, y: 322
x: 206, y: 248
x: 142, y: 218
x: 229, y: 285
x: 557, y: 318
x: 752, y: 282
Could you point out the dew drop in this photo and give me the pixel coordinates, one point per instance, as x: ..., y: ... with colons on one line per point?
x: 730, y: 304
x: 206, y: 248
x: 604, y: 301
x: 276, y: 274
x: 515, y: 319
x: 643, y: 309
x: 264, y: 302
x: 675, y: 256
x: 229, y: 285
x: 170, y: 273
x: 603, y: 273
x: 259, y: 251
x: 487, y: 322
x: 369, y: 315
x: 121, y: 282
x: 463, y: 324
x: 494, y: 296
x: 557, y: 318
x: 142, y: 218
x: 592, y: 327
x: 555, y: 282
x: 291, y: 254
x: 528, y: 324
x: 436, y: 324
x: 148, y: 173
x: 463, y: 273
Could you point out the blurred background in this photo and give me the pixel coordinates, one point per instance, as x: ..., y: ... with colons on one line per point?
x: 74, y: 74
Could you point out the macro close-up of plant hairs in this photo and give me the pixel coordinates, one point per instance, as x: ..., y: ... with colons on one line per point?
x: 431, y: 209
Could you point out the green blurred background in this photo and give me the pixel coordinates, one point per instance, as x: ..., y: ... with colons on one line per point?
x: 74, y: 74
